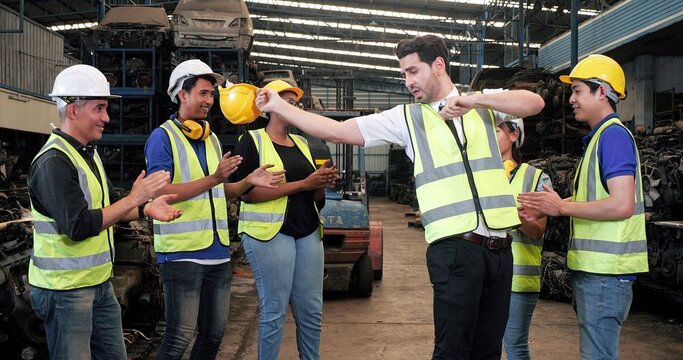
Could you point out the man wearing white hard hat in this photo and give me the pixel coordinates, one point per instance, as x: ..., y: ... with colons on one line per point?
x: 527, y: 241
x: 72, y: 261
x: 194, y: 254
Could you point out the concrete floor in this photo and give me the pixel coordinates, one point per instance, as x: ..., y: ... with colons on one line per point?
x: 396, y: 322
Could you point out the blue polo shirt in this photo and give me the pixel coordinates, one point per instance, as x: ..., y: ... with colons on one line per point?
x: 617, y: 153
x: 159, y: 157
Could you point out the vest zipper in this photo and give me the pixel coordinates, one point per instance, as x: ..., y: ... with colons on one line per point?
x: 468, y: 168
x: 205, y: 170
x: 213, y: 209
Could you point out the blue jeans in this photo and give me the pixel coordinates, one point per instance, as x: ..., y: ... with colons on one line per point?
x: 516, y: 338
x: 81, y: 323
x: 194, y: 296
x: 601, y: 304
x: 288, y: 271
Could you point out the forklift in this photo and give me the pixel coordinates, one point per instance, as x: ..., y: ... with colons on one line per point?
x: 353, y: 244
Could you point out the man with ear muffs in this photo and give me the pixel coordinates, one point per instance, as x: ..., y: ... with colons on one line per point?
x: 194, y: 254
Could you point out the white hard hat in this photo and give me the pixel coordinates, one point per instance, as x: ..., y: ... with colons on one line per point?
x: 80, y: 82
x: 186, y: 70
x: 515, y: 124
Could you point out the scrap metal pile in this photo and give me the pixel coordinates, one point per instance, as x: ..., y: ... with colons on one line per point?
x: 136, y: 282
x: 18, y: 322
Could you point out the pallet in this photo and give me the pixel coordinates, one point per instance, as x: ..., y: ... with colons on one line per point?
x: 411, y: 214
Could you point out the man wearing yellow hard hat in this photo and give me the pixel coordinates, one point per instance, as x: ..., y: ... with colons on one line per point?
x: 607, y: 245
x: 281, y: 231
x: 194, y: 254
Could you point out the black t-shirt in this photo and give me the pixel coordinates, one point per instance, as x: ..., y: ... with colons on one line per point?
x: 301, y: 218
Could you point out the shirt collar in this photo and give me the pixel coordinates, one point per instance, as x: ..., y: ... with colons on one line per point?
x: 586, y: 139
x: 89, y: 147
x: 453, y: 92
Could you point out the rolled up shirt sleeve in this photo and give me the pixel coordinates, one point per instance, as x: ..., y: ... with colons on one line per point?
x: 503, y: 117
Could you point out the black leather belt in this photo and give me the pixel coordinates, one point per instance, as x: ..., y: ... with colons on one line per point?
x: 489, y: 242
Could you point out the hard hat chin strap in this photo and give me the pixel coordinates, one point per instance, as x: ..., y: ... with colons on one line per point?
x: 609, y: 92
x: 178, y: 86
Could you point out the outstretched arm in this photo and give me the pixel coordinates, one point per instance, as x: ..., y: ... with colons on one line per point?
x: 520, y: 103
x: 345, y: 132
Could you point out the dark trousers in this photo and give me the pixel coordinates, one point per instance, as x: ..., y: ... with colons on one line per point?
x: 471, y: 298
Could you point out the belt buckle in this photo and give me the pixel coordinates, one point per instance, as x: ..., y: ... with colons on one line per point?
x: 493, y: 242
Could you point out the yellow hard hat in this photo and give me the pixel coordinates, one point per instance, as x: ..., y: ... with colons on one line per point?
x: 599, y: 67
x: 281, y: 86
x: 238, y: 103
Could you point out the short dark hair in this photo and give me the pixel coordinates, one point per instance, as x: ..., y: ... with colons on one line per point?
x: 190, y: 83
x: 427, y: 47
x: 594, y: 87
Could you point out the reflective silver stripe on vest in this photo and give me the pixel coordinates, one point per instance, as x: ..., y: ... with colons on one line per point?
x: 591, y: 192
x: 533, y: 270
x: 609, y: 247
x: 492, y: 202
x: 259, y: 144
x: 216, y: 145
x: 217, y: 192
x: 529, y: 175
x: 261, y: 217
x: 446, y: 211
x: 188, y: 226
x: 46, y: 227
x: 639, y: 207
x: 184, y: 164
x: 71, y: 263
x: 449, y: 170
x: 82, y: 177
x: 591, y: 187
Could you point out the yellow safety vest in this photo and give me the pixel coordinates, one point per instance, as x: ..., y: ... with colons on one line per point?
x: 526, y: 252
x: 204, y: 214
x: 606, y: 246
x: 264, y: 220
x: 59, y: 263
x: 455, y: 182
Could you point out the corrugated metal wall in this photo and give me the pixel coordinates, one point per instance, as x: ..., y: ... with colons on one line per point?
x: 624, y: 23
x: 364, y: 99
x: 30, y: 60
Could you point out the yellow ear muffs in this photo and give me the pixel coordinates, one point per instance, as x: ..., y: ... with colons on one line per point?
x: 194, y: 129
